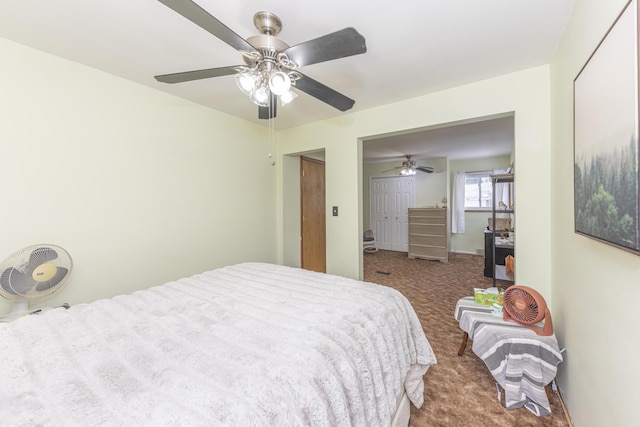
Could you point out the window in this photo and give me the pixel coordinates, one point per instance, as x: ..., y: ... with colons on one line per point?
x: 478, y: 190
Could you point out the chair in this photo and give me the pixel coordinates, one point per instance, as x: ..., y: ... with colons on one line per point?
x: 369, y: 242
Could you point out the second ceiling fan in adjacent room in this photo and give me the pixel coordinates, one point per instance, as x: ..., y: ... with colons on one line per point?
x: 409, y: 167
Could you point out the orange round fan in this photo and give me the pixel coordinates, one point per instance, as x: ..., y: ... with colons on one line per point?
x: 526, y: 306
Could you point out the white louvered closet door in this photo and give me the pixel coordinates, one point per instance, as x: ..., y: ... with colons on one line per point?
x: 391, y: 198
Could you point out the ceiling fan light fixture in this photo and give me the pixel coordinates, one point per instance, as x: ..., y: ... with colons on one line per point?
x: 260, y: 96
x: 246, y: 82
x: 407, y: 171
x: 408, y: 168
x: 287, y: 97
x: 260, y: 85
x: 279, y: 83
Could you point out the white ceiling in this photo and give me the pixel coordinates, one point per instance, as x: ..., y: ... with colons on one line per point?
x: 413, y: 47
x: 484, y: 137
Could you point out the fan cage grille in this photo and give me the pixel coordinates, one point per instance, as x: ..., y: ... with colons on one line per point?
x: 524, y: 304
x: 23, y: 262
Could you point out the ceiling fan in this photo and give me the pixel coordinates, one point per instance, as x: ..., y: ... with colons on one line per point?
x: 270, y: 68
x: 409, y: 167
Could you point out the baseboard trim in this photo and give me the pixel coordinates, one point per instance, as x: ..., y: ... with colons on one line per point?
x: 564, y: 408
x: 464, y: 252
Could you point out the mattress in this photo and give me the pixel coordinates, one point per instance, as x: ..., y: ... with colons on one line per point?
x: 249, y: 344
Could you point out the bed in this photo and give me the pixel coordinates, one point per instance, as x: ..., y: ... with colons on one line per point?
x: 249, y: 344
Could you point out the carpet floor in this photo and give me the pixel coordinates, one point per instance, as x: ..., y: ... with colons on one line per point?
x: 459, y: 390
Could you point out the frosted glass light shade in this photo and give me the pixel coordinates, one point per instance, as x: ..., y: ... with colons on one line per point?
x: 408, y: 171
x: 246, y: 83
x: 279, y: 83
x: 287, y: 97
x: 260, y: 96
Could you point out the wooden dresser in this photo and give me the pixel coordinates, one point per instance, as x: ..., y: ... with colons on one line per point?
x: 428, y: 233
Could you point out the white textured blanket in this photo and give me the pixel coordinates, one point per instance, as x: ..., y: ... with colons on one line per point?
x: 245, y: 345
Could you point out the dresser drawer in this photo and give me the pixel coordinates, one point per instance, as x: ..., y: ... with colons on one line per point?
x: 426, y: 229
x: 429, y: 252
x: 428, y: 233
x: 425, y: 240
x: 427, y: 220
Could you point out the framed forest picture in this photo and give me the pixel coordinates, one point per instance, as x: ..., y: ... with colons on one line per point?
x: 606, y: 137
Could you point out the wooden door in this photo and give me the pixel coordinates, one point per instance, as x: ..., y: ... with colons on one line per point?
x: 313, y: 215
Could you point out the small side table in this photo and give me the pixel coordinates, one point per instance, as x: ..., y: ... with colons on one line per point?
x: 523, y: 363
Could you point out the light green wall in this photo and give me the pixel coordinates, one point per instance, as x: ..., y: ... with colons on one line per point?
x: 525, y: 93
x: 139, y: 186
x: 596, y: 287
x: 291, y: 216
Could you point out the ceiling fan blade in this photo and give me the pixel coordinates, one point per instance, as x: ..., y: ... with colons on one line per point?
x: 188, y: 76
x: 427, y: 169
x: 269, y: 112
x: 336, y: 45
x: 391, y: 170
x: 204, y: 20
x: 323, y: 93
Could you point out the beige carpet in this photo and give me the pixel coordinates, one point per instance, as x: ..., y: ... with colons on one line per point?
x: 459, y: 390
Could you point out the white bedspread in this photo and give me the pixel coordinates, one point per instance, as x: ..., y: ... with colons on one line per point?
x: 245, y: 345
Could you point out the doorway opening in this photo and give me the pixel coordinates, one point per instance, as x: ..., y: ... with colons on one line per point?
x: 292, y: 250
x: 482, y: 143
x: 313, y: 255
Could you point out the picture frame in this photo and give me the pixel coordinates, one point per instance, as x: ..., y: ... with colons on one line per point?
x: 605, y: 91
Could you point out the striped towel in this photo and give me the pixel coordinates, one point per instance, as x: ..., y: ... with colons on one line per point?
x: 521, y: 361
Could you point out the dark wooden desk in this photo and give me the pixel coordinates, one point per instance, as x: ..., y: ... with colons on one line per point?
x: 501, y: 253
